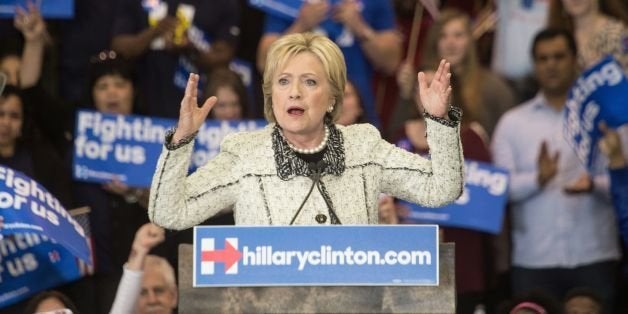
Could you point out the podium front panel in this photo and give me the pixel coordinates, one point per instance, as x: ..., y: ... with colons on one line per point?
x: 333, y: 299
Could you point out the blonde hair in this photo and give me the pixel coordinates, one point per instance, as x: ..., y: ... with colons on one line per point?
x: 327, y: 53
x: 160, y: 265
x: 470, y: 76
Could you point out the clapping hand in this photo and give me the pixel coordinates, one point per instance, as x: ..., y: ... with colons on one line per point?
x: 583, y: 184
x: 547, y: 165
x: 405, y: 79
x: 191, y: 116
x: 348, y: 13
x: 312, y: 13
x: 387, y: 210
x: 435, y: 96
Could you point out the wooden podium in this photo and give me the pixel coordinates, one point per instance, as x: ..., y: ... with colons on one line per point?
x: 327, y: 299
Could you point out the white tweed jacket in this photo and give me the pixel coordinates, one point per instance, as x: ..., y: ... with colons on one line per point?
x: 264, y: 182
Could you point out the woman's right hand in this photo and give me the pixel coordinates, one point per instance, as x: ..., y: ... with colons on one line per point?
x: 191, y: 116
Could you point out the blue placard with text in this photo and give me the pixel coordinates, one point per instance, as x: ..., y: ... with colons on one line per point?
x: 50, y: 9
x: 28, y: 207
x: 127, y: 147
x: 316, y: 256
x: 31, y: 263
x: 599, y: 94
x: 41, y: 245
x: 480, y: 207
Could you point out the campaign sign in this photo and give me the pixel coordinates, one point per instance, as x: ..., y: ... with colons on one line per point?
x: 480, y: 207
x: 315, y: 256
x: 28, y: 207
x: 127, y: 147
x: 55, y: 9
x: 31, y: 262
x: 599, y: 94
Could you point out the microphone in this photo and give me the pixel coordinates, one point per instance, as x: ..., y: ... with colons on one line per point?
x: 316, y: 169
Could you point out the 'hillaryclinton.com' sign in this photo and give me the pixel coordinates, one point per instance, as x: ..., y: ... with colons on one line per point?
x: 315, y: 256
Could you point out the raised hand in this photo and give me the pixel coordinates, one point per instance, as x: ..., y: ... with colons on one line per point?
x: 548, y: 166
x: 30, y: 22
x: 191, y: 116
x: 435, y: 96
x: 147, y: 237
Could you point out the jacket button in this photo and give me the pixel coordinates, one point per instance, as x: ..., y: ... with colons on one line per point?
x: 320, y: 218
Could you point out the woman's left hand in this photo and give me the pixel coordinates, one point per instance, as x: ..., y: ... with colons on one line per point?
x: 435, y: 96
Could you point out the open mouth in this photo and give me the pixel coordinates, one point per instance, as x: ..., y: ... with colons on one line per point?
x: 296, y: 111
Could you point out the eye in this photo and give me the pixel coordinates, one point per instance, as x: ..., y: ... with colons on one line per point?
x: 310, y: 82
x: 282, y: 81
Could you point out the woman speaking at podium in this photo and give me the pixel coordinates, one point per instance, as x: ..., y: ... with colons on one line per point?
x: 303, y: 169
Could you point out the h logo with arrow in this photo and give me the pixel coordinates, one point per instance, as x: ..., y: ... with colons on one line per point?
x: 229, y: 256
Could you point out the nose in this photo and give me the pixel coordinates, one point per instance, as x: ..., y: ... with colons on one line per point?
x: 151, y: 296
x: 295, y: 91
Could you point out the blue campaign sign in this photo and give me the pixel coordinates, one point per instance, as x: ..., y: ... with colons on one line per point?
x: 28, y: 207
x: 30, y: 262
x: 599, y: 94
x: 127, y: 147
x: 480, y: 207
x: 315, y: 256
x: 55, y: 9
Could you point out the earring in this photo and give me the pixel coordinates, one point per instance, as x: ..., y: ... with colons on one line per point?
x: 331, y: 108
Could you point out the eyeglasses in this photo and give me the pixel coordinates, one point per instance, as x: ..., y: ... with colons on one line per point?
x: 61, y: 311
x: 104, y: 56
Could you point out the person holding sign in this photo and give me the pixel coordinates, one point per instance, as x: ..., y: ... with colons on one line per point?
x: 472, y: 272
x: 302, y: 168
x: 564, y: 232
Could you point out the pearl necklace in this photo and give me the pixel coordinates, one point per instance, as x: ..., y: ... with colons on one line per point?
x: 309, y: 151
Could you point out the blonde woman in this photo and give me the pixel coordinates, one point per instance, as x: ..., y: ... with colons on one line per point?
x: 302, y: 168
